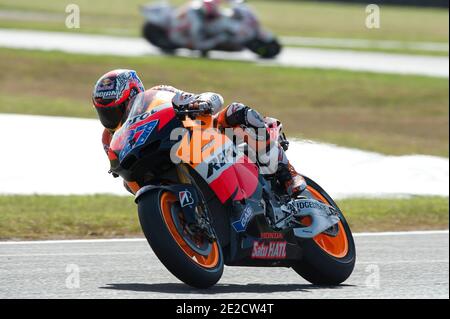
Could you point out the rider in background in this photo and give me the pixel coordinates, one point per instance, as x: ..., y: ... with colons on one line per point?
x: 198, y: 25
x: 112, y: 98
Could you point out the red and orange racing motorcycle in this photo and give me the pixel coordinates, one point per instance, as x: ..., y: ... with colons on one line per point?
x: 202, y: 204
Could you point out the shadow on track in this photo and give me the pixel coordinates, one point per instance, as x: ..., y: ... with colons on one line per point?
x: 171, y: 288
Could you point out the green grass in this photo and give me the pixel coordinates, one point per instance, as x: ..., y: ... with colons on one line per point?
x: 348, y: 21
x: 42, y: 217
x: 392, y: 114
x: 295, y: 18
x: 416, y: 213
x: 103, y: 216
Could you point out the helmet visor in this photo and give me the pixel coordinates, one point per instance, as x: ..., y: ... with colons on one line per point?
x: 110, y: 116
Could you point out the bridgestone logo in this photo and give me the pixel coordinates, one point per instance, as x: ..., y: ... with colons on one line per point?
x: 303, y: 205
x: 315, y: 205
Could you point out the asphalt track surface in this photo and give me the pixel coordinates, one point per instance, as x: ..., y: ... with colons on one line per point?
x: 290, y: 57
x: 389, y: 265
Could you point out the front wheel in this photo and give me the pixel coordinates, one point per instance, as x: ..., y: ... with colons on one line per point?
x: 194, y: 260
x: 327, y: 259
x: 265, y: 49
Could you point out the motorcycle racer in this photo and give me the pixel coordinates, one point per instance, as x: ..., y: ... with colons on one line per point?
x: 199, y: 25
x: 114, y: 91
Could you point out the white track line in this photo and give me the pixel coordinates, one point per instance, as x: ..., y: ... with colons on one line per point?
x: 126, y: 240
x: 73, y: 241
x: 394, y: 262
x: 76, y: 254
x: 402, y: 233
x: 365, y: 43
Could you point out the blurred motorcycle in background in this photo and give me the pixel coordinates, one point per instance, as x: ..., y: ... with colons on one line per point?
x: 239, y: 28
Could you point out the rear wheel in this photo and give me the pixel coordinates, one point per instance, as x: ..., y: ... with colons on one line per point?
x: 158, y: 37
x: 191, y: 258
x: 329, y: 259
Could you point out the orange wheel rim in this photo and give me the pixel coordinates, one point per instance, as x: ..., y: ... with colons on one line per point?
x: 210, y: 261
x: 335, y: 246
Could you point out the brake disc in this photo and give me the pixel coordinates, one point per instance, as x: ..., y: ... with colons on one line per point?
x: 204, y: 248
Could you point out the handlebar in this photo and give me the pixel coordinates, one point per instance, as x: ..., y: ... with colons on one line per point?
x: 203, y: 109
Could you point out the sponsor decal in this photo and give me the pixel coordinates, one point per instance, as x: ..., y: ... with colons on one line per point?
x: 220, y: 160
x: 106, y: 85
x: 271, y: 236
x: 105, y: 94
x: 241, y: 224
x: 270, y: 250
x: 106, y: 89
x: 208, y: 145
x: 313, y: 204
x: 186, y: 198
x: 122, y: 83
x: 138, y: 118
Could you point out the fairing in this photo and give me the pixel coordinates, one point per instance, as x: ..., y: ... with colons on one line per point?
x: 146, y: 138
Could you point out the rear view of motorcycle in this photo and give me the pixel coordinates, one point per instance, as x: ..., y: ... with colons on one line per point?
x: 203, y: 203
x: 233, y: 29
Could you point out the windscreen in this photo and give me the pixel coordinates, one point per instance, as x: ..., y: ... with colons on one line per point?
x: 137, y: 125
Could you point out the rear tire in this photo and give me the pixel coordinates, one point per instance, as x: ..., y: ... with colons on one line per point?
x: 169, y: 251
x: 320, y: 267
x: 158, y: 37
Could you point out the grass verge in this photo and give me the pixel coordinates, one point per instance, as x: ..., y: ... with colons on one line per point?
x: 104, y: 216
x: 296, y: 18
x: 391, y: 114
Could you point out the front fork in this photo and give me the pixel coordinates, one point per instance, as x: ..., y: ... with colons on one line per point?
x: 200, y: 220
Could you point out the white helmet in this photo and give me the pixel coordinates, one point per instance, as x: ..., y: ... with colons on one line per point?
x: 211, y: 8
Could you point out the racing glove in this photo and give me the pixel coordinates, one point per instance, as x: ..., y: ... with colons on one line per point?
x: 209, y: 103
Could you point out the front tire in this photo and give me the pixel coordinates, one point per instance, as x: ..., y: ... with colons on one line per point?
x: 327, y: 260
x: 156, y: 211
x: 265, y: 49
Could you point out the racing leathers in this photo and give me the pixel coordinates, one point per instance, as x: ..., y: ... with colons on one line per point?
x: 191, y: 29
x: 247, y: 125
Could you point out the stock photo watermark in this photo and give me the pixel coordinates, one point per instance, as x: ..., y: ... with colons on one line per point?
x: 73, y: 16
x: 223, y: 149
x: 373, y: 279
x: 373, y: 16
x: 73, y: 278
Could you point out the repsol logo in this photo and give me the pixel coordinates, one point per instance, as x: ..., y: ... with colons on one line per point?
x: 220, y: 160
x: 138, y: 118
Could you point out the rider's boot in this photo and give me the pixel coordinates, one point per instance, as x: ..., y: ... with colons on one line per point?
x: 292, y: 181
